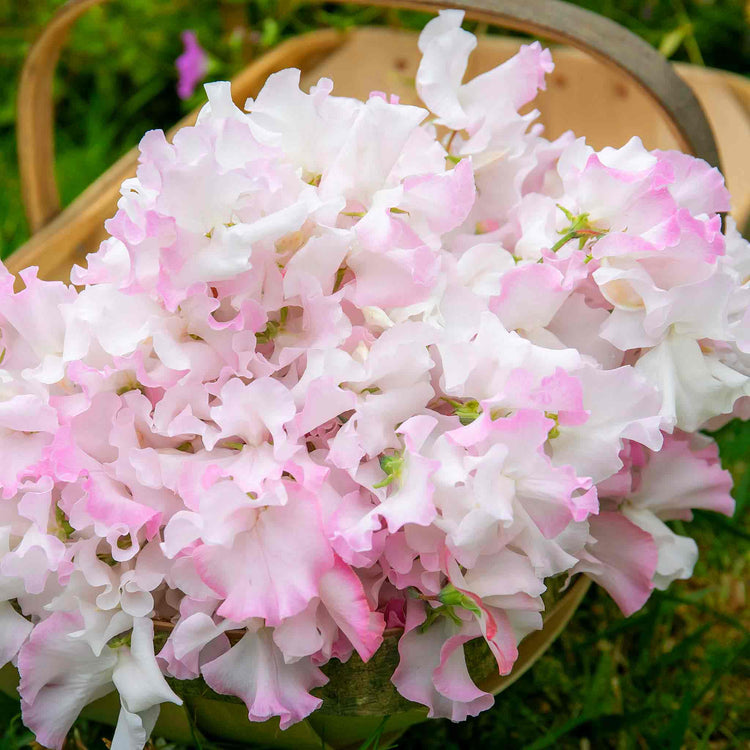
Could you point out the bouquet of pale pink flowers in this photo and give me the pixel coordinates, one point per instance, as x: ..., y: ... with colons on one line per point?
x: 344, y: 366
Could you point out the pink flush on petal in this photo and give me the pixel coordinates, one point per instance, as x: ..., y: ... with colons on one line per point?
x: 326, y: 376
x: 192, y: 65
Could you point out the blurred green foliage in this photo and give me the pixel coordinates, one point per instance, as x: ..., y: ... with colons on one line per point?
x: 714, y: 33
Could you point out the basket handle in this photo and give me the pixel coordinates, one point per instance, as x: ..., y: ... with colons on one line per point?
x: 552, y: 19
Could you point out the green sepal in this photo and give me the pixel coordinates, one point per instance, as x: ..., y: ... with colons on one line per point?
x: 555, y: 431
x: 339, y: 278
x: 235, y: 445
x: 466, y: 411
x: 434, y: 613
x: 64, y: 529
x: 580, y: 228
x: 121, y: 640
x: 273, y: 327
x: 391, y: 465
x: 452, y: 597
x: 129, y: 387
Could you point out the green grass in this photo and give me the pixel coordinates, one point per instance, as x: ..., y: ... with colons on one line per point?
x: 674, y: 675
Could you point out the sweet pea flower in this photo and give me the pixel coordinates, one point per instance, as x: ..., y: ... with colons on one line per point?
x: 336, y: 369
x: 192, y: 65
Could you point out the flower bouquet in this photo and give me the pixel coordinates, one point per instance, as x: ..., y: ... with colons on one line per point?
x: 346, y: 371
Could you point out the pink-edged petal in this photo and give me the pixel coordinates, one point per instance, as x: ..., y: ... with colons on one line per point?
x: 432, y: 662
x: 254, y: 670
x: 697, y: 186
x: 520, y: 78
x: 324, y: 400
x: 451, y: 677
x: 593, y: 448
x: 444, y: 200
x: 342, y: 594
x: 183, y: 651
x: 14, y: 630
x: 27, y: 426
x: 301, y: 636
x: 677, y: 554
x: 274, y: 570
x: 412, y: 500
x: 59, y: 676
x: 677, y: 480
x: 254, y: 411
x: 623, y: 560
x: 398, y: 278
x: 109, y: 507
x: 530, y: 296
x: 493, y: 622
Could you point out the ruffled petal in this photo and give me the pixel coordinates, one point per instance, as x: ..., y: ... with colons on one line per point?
x: 60, y: 675
x: 254, y: 670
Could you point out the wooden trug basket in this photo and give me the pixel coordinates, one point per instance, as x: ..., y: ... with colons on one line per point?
x: 613, y: 86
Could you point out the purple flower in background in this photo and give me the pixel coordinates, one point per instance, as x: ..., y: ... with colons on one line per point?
x: 192, y: 65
